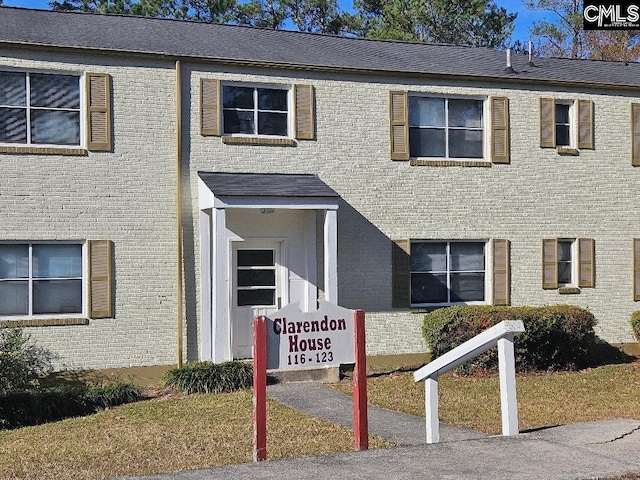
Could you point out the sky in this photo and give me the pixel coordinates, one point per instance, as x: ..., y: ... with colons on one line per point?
x: 521, y: 32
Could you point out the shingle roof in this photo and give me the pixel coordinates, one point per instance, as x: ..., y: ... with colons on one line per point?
x: 228, y: 43
x: 266, y: 185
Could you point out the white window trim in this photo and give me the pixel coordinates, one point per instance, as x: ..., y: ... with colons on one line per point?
x: 573, y: 123
x: 574, y: 263
x: 255, y: 86
x: 487, y: 277
x: 81, y: 110
x: 483, y: 129
x: 85, y: 280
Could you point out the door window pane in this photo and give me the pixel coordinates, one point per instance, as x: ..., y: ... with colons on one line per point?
x: 253, y: 278
x: 256, y: 297
x: 255, y: 258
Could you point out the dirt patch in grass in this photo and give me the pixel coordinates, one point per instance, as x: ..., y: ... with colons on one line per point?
x: 551, y: 399
x: 164, y: 435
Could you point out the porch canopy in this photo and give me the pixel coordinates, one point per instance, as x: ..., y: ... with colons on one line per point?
x: 219, y: 192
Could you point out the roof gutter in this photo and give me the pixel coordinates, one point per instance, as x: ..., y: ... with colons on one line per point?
x: 511, y: 79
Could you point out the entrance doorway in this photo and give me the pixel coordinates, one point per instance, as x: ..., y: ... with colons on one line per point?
x: 259, y: 277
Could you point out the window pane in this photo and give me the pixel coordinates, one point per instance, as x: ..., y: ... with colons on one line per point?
x: 57, y: 261
x: 13, y: 89
x: 272, y: 123
x: 562, y: 113
x: 564, y: 272
x: 562, y: 135
x: 467, y: 256
x: 426, y: 142
x: 57, y: 296
x: 13, y: 125
x: 256, y: 297
x: 55, y: 91
x: 428, y: 257
x: 467, y: 287
x: 255, y: 258
x: 238, y: 122
x: 15, y: 298
x: 426, y: 112
x: 272, y: 99
x: 465, y: 113
x: 256, y: 278
x: 14, y: 261
x: 465, y: 143
x: 55, y: 127
x: 237, y: 97
x: 428, y: 288
x: 564, y: 251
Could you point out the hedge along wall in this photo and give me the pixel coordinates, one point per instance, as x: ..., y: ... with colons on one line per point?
x: 558, y: 337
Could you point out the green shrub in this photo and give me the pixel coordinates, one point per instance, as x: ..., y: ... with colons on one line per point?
x: 635, y: 324
x: 209, y: 377
x: 557, y: 337
x: 42, y: 405
x: 22, y: 363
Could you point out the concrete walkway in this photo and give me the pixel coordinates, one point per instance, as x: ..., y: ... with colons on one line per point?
x: 578, y: 451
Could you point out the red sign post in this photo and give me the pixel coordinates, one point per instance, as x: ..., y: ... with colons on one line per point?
x: 302, y: 345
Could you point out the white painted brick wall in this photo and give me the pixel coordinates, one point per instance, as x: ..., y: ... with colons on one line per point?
x: 128, y: 196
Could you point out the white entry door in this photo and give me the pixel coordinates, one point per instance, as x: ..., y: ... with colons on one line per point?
x: 259, y: 278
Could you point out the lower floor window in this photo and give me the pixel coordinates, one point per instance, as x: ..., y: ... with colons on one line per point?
x: 41, y: 278
x: 447, y: 272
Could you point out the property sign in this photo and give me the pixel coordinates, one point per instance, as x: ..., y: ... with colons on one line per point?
x: 297, y: 339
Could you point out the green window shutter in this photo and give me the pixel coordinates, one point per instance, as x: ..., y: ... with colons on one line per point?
x: 210, y: 93
x: 501, y: 287
x: 100, y: 279
x: 304, y: 111
x: 585, y: 124
x: 399, y: 125
x: 500, y: 130
x: 401, y: 273
x: 586, y: 262
x: 550, y: 263
x: 636, y: 269
x: 547, y: 122
x: 635, y: 134
x: 98, y: 111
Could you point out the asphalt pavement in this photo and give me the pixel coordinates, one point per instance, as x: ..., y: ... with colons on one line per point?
x: 566, y: 452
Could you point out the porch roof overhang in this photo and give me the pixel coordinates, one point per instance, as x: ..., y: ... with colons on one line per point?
x: 265, y: 190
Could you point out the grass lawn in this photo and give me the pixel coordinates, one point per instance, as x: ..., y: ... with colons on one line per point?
x: 552, y: 399
x: 164, y: 435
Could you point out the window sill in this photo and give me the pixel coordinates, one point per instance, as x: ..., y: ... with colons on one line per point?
x: 449, y: 163
x: 44, y: 322
x: 44, y: 150
x: 568, y: 290
x: 286, y: 142
x: 574, y: 152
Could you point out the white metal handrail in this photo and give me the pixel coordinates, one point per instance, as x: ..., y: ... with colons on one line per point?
x: 502, y: 335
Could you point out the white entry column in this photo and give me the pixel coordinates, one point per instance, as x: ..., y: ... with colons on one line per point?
x: 331, y: 256
x: 221, y: 320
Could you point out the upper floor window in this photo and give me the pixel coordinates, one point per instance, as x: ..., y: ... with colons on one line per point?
x: 446, y: 127
x: 566, y: 124
x: 447, y: 272
x: 255, y: 110
x: 41, y: 278
x: 39, y: 108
